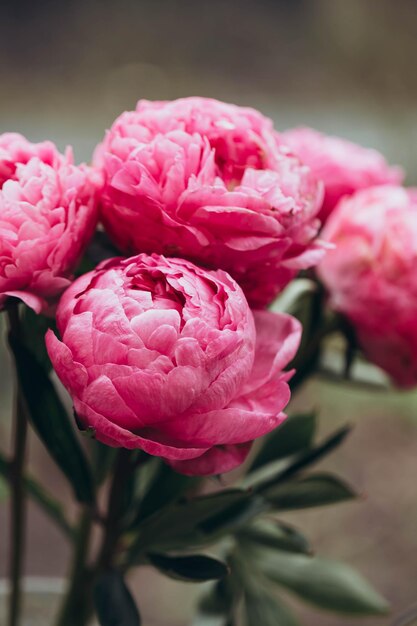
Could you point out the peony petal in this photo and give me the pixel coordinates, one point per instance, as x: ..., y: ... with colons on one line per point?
x: 103, y: 398
x: 215, y: 461
x: 154, y: 396
x: 150, y: 321
x: 231, y: 425
x: 73, y: 375
x: 115, y: 436
x: 32, y: 300
x: 277, y: 339
x: 78, y: 336
x: 163, y: 339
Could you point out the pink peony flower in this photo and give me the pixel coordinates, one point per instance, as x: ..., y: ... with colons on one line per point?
x: 17, y: 150
x: 372, y: 275
x: 208, y: 181
x: 240, y: 137
x: 48, y: 213
x: 162, y: 355
x: 344, y: 167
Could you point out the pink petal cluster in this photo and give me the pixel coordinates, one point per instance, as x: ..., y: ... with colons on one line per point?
x: 343, y: 166
x: 161, y: 355
x: 209, y: 181
x: 240, y: 137
x: 371, y: 275
x: 48, y: 213
x: 17, y: 150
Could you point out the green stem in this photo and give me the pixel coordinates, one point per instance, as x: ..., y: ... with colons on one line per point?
x: 41, y: 496
x: 306, y: 362
x: 114, y: 511
x: 18, y: 501
x: 77, y: 605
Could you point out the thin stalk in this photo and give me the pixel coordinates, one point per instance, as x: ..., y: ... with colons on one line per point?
x: 18, y: 500
x: 112, y: 524
x: 41, y: 496
x: 77, y: 605
x: 306, y: 362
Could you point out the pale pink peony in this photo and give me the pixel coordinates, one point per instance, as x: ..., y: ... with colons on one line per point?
x: 343, y: 166
x: 161, y: 355
x: 371, y: 275
x: 48, y: 213
x: 17, y: 150
x: 208, y: 181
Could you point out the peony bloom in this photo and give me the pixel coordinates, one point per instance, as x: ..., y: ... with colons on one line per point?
x: 48, y: 213
x: 17, y: 150
x: 240, y: 137
x: 208, y: 181
x: 371, y: 275
x: 161, y: 355
x: 344, y: 167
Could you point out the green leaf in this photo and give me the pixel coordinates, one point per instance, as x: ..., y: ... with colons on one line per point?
x: 201, y: 508
x: 288, y: 301
x: 104, y: 458
x: 351, y: 347
x: 293, y: 436
x: 261, y: 609
x: 318, y: 452
x: 4, y: 490
x: 219, y: 600
x: 304, y: 460
x: 34, y: 328
x: 328, y: 584
x: 195, y: 568
x: 276, y: 535
x: 113, y: 601
x: 182, y: 524
x: 235, y: 516
x: 315, y: 490
x: 51, y: 422
x: 166, y: 487
x: 308, y: 309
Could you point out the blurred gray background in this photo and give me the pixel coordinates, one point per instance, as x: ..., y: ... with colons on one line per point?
x: 67, y: 69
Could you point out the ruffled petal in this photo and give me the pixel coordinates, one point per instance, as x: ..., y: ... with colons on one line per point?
x: 215, y: 461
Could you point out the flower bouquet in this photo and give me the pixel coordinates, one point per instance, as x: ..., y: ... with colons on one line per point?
x: 182, y: 287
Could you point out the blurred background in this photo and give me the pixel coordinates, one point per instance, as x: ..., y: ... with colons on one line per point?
x: 67, y: 69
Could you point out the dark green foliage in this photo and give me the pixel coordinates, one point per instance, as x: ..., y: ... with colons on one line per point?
x: 294, y: 436
x: 51, y: 422
x: 195, y: 568
x: 113, y: 601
